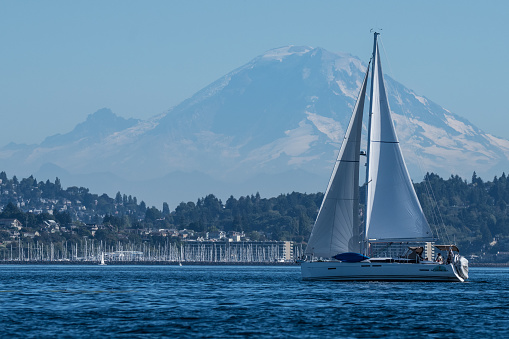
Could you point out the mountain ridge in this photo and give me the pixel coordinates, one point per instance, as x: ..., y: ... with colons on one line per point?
x: 286, y: 110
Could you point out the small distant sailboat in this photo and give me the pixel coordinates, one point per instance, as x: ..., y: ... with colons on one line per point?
x: 338, y: 248
x: 102, y: 263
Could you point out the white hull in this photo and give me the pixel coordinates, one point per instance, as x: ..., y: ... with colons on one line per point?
x: 383, y: 271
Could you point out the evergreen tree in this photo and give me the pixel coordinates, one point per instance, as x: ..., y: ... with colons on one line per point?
x: 166, y: 209
x: 11, y: 211
x: 118, y: 198
x: 63, y: 218
x: 152, y: 214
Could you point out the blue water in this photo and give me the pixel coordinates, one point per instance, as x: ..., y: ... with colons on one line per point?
x: 231, y: 301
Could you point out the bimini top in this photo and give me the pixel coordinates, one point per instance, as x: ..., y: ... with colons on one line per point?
x: 447, y: 247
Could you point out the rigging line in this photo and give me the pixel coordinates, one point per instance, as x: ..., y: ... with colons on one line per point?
x: 436, y: 221
x: 440, y: 214
x: 434, y: 217
x: 432, y: 197
x: 386, y: 55
x: 419, y: 162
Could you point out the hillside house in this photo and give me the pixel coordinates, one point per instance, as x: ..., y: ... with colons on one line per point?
x: 11, y: 223
x: 31, y: 234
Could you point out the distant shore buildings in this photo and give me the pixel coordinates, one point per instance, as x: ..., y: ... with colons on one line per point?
x: 178, y: 246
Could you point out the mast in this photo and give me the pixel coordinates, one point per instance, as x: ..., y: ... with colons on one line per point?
x: 368, y: 151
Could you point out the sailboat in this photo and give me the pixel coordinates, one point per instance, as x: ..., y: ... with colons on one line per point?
x: 102, y: 263
x: 340, y: 246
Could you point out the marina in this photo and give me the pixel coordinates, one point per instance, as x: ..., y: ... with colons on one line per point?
x: 205, y: 252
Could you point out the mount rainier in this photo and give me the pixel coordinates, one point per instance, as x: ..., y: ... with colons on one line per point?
x: 271, y: 126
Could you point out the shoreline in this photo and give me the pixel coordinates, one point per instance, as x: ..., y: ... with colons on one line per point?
x: 144, y: 263
x: 188, y: 263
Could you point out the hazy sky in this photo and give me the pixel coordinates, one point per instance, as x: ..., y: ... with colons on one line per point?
x: 63, y: 60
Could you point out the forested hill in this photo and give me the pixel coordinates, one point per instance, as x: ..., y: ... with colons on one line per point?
x: 472, y: 214
x: 475, y: 213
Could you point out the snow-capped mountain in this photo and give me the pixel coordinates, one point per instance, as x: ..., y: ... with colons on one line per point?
x: 273, y: 125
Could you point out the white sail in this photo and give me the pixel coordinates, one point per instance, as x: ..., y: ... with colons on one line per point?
x: 102, y: 263
x: 393, y: 210
x: 336, y: 228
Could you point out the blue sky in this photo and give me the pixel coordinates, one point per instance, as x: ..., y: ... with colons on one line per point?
x: 63, y: 60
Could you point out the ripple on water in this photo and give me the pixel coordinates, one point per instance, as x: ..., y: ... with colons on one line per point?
x: 225, y: 301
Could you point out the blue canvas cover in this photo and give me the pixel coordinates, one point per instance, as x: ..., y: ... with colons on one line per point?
x: 350, y: 257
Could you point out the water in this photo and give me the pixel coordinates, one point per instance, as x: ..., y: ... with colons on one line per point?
x: 232, y: 301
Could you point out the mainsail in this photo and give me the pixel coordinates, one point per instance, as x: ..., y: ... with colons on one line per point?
x: 393, y: 210
x: 336, y: 228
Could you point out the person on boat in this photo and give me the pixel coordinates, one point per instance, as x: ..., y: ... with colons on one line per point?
x: 449, y: 257
x: 439, y: 259
x: 419, y: 251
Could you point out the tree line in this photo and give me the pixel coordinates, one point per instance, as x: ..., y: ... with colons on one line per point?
x: 471, y: 214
